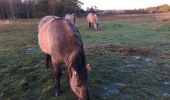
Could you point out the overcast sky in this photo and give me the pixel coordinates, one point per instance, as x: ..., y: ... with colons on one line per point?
x: 122, y: 4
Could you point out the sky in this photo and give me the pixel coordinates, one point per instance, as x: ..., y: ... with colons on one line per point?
x: 122, y: 4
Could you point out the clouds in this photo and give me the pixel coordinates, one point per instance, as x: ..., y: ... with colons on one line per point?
x: 123, y: 4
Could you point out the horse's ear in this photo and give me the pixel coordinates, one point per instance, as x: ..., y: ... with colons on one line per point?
x: 88, y: 67
x: 74, y: 72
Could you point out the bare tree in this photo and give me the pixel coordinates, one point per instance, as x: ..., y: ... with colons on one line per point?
x: 11, y: 9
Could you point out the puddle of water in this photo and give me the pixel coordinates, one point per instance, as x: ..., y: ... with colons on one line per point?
x: 142, y: 58
x: 130, y: 68
x: 137, y: 57
x: 31, y: 50
x: 116, y: 89
x: 147, y: 59
x: 111, y: 91
x: 130, y: 65
x: 120, y: 84
x: 165, y: 94
x: 166, y: 83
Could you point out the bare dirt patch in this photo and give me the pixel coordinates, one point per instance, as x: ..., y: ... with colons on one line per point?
x: 125, y: 50
x: 135, y: 51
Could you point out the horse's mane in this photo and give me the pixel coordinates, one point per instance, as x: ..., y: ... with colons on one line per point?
x: 78, y: 59
x: 80, y: 67
x: 93, y: 13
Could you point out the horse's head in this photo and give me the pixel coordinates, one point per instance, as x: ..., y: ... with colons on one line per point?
x: 96, y: 26
x: 73, y: 14
x: 80, y: 89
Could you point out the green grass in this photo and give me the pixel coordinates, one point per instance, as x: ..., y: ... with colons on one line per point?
x: 130, y: 58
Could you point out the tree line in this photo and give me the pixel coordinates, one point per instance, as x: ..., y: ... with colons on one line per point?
x: 10, y: 9
x: 159, y: 9
x: 15, y: 9
x: 165, y: 8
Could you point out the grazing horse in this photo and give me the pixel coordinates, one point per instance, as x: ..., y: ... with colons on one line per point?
x: 71, y: 17
x: 92, y: 21
x: 60, y: 41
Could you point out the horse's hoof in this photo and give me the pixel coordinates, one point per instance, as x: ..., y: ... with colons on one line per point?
x: 57, y: 94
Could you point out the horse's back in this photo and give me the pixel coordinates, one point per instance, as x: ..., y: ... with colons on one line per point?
x: 58, y: 36
x: 42, y: 33
x: 92, y: 17
x: 46, y: 19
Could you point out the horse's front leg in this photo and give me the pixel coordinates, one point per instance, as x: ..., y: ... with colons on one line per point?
x: 93, y: 27
x: 57, y: 75
x: 89, y: 25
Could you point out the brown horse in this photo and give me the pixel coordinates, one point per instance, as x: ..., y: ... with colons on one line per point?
x: 60, y: 41
x: 71, y: 17
x: 92, y: 21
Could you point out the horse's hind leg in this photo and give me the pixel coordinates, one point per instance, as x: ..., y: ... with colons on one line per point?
x: 57, y: 75
x: 47, y: 60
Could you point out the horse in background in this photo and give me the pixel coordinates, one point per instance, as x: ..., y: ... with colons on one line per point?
x: 60, y: 41
x: 92, y: 20
x: 71, y: 17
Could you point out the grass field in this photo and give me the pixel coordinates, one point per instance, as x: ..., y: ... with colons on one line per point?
x: 130, y: 57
